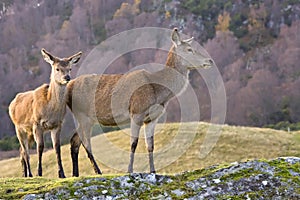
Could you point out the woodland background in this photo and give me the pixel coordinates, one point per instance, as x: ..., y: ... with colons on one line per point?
x: 255, y: 44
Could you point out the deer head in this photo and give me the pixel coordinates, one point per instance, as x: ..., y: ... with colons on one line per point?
x: 187, y: 55
x: 61, y: 67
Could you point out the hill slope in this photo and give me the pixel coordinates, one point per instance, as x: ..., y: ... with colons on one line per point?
x: 177, y: 149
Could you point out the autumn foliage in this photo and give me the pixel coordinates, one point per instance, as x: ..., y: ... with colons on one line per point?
x: 255, y: 44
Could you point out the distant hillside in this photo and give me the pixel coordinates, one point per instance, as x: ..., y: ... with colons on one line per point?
x: 255, y: 44
x: 235, y: 144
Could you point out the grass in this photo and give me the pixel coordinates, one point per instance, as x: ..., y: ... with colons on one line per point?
x: 177, y: 149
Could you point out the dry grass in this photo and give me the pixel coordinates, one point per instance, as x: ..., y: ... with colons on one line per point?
x: 177, y: 149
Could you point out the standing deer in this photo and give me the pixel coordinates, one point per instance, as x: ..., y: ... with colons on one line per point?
x: 43, y: 109
x: 138, y: 98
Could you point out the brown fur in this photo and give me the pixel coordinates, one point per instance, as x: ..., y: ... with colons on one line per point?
x: 43, y: 109
x: 138, y: 98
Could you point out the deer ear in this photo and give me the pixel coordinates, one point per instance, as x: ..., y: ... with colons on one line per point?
x: 47, y: 56
x: 75, y: 58
x: 175, y: 37
x: 189, y: 41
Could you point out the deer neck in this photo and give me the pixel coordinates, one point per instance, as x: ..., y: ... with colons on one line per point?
x: 175, y: 62
x: 56, y: 94
x: 176, y: 73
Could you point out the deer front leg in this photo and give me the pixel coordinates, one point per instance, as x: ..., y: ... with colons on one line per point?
x: 39, y: 139
x: 149, y: 137
x: 55, y: 136
x: 135, y: 126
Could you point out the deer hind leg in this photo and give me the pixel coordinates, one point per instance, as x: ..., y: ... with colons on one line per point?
x: 24, y: 153
x: 135, y: 126
x: 23, y: 162
x: 39, y: 139
x: 84, y: 133
x: 149, y: 137
x: 91, y: 157
x: 55, y: 136
x: 75, y: 145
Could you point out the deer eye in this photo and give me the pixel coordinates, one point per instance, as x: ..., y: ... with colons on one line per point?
x: 57, y: 69
x: 190, y: 50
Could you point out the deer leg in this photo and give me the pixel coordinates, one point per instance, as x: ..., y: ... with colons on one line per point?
x: 149, y: 137
x: 23, y: 162
x: 135, y: 126
x: 39, y: 139
x: 84, y: 132
x: 55, y: 136
x: 91, y: 157
x: 24, y: 154
x: 75, y: 145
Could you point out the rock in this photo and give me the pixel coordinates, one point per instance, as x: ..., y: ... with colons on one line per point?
x: 102, y: 197
x: 78, y: 193
x: 178, y: 192
x: 84, y: 198
x: 78, y: 184
x: 150, y: 178
x: 248, y: 180
x: 88, y: 181
x: 291, y: 160
x: 92, y: 187
x: 33, y: 196
x: 104, y: 192
x: 216, y: 181
x: 265, y: 183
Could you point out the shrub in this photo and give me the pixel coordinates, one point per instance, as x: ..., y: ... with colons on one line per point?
x: 9, y: 143
x: 284, y: 125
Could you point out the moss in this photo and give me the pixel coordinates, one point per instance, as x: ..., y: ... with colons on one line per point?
x: 246, y: 173
x: 18, y: 187
x: 283, y: 170
x: 193, y: 175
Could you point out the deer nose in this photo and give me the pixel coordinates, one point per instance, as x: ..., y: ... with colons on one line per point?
x: 67, y: 78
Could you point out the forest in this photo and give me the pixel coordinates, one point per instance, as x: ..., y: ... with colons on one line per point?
x: 254, y: 43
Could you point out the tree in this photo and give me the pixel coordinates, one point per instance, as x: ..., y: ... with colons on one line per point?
x: 128, y: 10
x: 223, y: 22
x: 224, y: 48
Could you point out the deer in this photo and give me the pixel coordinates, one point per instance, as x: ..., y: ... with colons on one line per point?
x: 41, y: 110
x: 137, y: 98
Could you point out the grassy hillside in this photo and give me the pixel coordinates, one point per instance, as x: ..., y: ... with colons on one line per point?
x: 177, y: 148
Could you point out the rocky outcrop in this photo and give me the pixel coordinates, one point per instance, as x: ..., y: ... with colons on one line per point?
x: 257, y: 179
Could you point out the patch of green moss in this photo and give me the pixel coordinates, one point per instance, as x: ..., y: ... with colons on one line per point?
x: 283, y: 170
x: 245, y: 173
x: 15, y: 188
x: 193, y: 175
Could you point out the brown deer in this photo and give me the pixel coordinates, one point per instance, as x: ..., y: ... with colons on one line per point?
x: 43, y: 109
x: 138, y: 98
